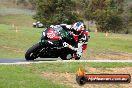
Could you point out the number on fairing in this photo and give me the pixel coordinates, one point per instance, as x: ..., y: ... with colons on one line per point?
x: 51, y: 34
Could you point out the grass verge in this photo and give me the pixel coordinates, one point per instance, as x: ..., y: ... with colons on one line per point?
x: 24, y: 77
x: 14, y: 43
x: 22, y: 20
x: 29, y: 76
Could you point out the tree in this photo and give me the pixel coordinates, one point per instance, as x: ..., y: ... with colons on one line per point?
x: 114, y: 23
x: 106, y: 14
x: 98, y: 10
x: 127, y: 17
x: 55, y: 11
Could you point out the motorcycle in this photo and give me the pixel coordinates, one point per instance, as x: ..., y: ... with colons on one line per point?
x: 53, y: 44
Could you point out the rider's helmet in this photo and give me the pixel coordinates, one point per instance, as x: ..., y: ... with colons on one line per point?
x: 78, y: 28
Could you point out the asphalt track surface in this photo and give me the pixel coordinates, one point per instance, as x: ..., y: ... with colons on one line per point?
x: 52, y: 60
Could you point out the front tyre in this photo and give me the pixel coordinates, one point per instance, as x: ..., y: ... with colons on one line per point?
x: 32, y: 53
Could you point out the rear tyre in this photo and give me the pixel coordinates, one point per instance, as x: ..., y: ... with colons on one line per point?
x: 77, y: 58
x: 32, y: 53
x: 66, y: 57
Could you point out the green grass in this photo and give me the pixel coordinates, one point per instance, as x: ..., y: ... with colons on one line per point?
x: 119, y: 42
x: 72, y: 67
x: 24, y: 76
x: 14, y: 44
x: 30, y: 76
x: 17, y: 20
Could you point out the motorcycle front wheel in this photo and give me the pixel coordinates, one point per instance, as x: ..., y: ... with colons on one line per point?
x: 33, y: 52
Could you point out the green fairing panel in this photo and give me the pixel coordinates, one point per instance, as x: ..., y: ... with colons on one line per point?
x: 61, y: 32
x: 65, y: 33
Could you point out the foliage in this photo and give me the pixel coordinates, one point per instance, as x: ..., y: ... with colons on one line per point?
x: 69, y: 11
x: 105, y: 13
x: 110, y: 15
x: 55, y: 11
x: 127, y: 17
x: 113, y: 23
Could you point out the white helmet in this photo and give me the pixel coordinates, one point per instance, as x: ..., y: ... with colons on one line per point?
x: 78, y: 26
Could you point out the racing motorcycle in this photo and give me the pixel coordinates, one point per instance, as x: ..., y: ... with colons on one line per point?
x: 54, y: 43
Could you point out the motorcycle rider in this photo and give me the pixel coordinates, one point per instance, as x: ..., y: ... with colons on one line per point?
x: 79, y: 32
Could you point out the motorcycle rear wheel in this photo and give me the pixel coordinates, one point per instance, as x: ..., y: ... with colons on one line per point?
x: 64, y: 57
x: 77, y: 58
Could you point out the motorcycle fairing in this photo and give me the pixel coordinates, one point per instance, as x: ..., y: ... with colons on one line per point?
x: 52, y: 35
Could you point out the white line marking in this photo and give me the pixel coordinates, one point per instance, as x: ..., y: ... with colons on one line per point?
x: 63, y: 61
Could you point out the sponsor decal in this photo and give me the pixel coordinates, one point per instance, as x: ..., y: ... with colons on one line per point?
x: 51, y: 34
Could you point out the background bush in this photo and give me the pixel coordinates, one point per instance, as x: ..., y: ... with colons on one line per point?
x: 109, y: 15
